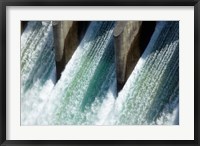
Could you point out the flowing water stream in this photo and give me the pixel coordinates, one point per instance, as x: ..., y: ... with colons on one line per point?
x: 86, y: 92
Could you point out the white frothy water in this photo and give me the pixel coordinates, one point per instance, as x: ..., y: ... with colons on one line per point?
x: 37, y: 69
x: 93, y: 56
x: 152, y: 82
x: 86, y: 92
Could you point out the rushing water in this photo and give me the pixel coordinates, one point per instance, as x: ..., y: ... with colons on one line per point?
x: 154, y: 83
x: 37, y: 69
x: 86, y: 92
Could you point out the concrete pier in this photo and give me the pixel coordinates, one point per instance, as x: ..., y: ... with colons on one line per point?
x: 67, y: 36
x: 130, y: 40
x: 126, y: 38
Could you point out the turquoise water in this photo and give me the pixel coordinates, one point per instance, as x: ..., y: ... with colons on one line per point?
x: 154, y: 83
x: 86, y: 92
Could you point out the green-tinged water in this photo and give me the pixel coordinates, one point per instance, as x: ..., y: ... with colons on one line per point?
x: 154, y: 81
x: 86, y: 92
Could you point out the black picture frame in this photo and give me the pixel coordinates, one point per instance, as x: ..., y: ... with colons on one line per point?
x: 5, y: 3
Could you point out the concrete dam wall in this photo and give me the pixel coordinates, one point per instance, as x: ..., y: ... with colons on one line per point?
x: 130, y: 40
x: 99, y: 73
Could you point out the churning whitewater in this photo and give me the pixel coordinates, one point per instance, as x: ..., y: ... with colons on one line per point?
x: 86, y: 93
